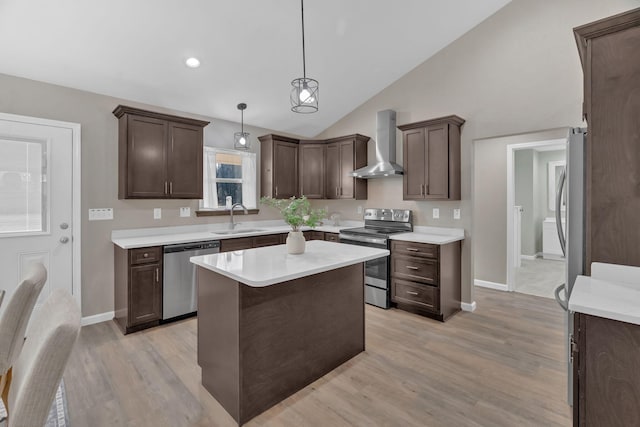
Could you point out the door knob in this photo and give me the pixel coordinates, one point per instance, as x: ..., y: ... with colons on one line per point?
x: 64, y: 226
x: 64, y: 239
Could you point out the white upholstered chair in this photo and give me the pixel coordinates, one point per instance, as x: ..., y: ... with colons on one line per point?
x: 38, y: 370
x: 16, y: 315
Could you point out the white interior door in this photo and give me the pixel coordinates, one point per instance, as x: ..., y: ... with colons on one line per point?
x: 36, y: 203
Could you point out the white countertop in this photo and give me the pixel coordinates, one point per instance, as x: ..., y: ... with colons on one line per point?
x: 605, y: 298
x: 433, y: 235
x: 160, y: 236
x: 266, y: 266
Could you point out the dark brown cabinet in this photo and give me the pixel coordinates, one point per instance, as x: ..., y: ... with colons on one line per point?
x: 331, y: 237
x: 160, y: 156
x: 317, y: 169
x: 425, y: 278
x: 138, y: 288
x: 431, y: 153
x: 241, y: 243
x: 278, y: 166
x: 312, y: 170
x: 609, y: 53
x: 313, y: 235
x: 606, y: 389
x: 343, y: 156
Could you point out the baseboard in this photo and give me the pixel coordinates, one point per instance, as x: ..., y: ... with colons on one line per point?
x: 97, y: 318
x: 531, y: 257
x: 465, y: 306
x: 491, y: 285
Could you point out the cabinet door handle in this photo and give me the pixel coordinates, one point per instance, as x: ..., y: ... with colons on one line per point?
x: 341, y: 193
x: 157, y: 275
x: 165, y: 187
x: 413, y: 250
x: 171, y: 187
x: 276, y: 191
x: 145, y: 255
x: 426, y: 189
x: 412, y: 293
x: 410, y: 267
x: 337, y: 193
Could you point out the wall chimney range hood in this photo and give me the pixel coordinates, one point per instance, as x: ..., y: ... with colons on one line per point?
x: 385, y: 149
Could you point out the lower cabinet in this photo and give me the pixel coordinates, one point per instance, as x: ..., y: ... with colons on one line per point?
x: 425, y: 278
x: 331, y: 237
x: 606, y: 372
x: 240, y: 243
x: 138, y: 288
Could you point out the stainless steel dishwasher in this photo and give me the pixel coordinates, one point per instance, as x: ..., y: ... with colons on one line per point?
x: 179, y: 293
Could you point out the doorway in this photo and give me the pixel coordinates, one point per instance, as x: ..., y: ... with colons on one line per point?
x: 535, y: 263
x: 40, y: 217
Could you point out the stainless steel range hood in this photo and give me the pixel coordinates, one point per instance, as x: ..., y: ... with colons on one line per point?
x: 385, y: 149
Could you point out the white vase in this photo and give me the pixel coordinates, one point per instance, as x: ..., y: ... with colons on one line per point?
x: 295, y: 242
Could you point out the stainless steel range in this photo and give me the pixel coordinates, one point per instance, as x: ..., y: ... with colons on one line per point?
x: 379, y: 224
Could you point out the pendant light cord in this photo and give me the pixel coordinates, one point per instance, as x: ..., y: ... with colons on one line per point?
x: 304, y: 65
x: 242, y: 120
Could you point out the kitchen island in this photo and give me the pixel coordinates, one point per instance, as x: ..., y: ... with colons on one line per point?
x: 270, y: 323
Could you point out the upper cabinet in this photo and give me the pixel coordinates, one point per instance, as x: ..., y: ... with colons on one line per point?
x: 609, y: 53
x: 344, y: 155
x: 312, y: 169
x: 431, y: 152
x: 318, y: 169
x: 160, y: 155
x: 278, y: 166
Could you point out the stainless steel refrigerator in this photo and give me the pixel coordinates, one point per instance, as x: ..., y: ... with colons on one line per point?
x: 571, y: 191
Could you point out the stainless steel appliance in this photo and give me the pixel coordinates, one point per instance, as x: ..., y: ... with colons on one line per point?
x: 572, y: 241
x: 179, y: 294
x: 379, y: 224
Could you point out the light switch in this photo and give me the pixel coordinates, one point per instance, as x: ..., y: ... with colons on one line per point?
x: 157, y: 213
x: 185, y: 212
x: 456, y: 214
x: 100, y: 214
x: 436, y: 213
x: 359, y: 209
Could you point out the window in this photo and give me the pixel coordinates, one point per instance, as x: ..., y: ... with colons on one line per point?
x: 23, y: 187
x: 229, y: 173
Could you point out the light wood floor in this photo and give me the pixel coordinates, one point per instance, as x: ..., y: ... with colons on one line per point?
x: 500, y: 366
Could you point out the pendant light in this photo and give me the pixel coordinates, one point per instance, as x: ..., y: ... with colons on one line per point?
x: 304, y: 94
x: 241, y: 139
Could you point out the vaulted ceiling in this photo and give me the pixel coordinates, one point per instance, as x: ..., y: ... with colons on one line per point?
x: 250, y: 50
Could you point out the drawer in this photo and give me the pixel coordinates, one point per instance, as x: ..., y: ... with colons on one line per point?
x: 413, y: 268
x: 145, y: 255
x: 425, y: 250
x: 268, y: 240
x: 423, y: 296
x: 316, y: 235
x: 331, y: 237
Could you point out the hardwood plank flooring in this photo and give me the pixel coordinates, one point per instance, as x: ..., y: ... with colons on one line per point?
x: 500, y: 366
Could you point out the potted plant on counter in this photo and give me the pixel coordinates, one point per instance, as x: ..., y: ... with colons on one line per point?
x: 297, y: 213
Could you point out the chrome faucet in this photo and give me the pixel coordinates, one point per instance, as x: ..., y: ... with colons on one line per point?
x: 232, y: 224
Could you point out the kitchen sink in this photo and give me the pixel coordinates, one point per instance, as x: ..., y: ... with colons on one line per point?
x: 238, y: 231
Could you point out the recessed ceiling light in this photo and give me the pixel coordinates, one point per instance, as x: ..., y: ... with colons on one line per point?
x: 192, y: 62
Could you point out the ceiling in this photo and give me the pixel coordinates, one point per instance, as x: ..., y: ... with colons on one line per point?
x: 250, y: 50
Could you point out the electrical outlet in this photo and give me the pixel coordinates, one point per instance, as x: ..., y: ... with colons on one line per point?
x: 100, y: 214
x: 456, y: 214
x: 359, y: 209
x: 436, y: 213
x: 185, y: 212
x: 157, y: 213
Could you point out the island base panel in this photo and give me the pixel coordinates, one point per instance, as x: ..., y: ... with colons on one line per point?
x: 218, y: 338
x: 289, y: 335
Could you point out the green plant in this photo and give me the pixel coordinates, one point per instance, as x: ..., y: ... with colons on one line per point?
x: 296, y: 212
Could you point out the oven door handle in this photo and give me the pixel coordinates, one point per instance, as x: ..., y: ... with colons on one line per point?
x: 363, y: 241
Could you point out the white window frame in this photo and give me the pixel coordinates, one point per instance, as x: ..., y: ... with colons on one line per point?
x: 249, y: 178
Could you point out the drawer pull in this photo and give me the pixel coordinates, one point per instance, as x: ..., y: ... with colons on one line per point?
x: 146, y: 255
x: 410, y: 267
x: 412, y: 293
x: 413, y: 250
